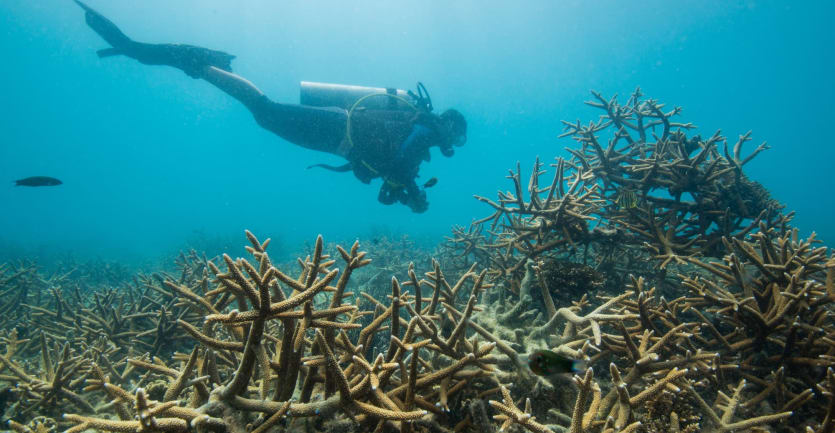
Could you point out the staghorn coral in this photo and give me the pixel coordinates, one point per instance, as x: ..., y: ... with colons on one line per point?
x: 275, y: 356
x: 722, y: 300
x: 651, y: 352
x: 766, y: 308
x: 688, y: 196
x: 714, y: 316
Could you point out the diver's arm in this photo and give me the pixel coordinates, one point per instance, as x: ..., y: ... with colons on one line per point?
x: 234, y: 85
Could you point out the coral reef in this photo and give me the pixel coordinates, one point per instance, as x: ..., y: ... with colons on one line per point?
x: 691, y: 301
x: 724, y: 302
x: 276, y: 359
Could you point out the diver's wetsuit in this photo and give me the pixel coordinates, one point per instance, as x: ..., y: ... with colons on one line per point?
x: 316, y: 128
x: 386, y: 144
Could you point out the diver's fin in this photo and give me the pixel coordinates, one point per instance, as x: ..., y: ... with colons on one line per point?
x: 103, y: 26
x: 341, y: 169
x: 84, y: 6
x: 107, y: 52
x: 189, y: 57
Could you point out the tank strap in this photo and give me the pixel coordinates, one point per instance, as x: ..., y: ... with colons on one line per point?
x: 392, y: 105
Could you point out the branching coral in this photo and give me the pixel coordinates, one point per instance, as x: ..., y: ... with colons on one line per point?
x: 721, y: 294
x: 276, y: 355
x: 700, y: 309
x: 686, y: 196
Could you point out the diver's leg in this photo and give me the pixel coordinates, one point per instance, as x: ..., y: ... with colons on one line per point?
x: 234, y: 85
x: 316, y: 128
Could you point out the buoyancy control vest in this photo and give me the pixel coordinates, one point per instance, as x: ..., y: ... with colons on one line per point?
x: 375, y: 121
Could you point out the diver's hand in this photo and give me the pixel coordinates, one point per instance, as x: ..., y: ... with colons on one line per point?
x: 387, y: 195
x: 410, y: 195
x: 417, y: 202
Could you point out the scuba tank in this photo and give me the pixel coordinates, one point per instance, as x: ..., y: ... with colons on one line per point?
x: 347, y: 97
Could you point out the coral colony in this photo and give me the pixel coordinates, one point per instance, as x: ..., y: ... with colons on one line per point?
x: 675, y: 282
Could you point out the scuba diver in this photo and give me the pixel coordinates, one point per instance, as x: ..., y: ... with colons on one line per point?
x: 383, y: 133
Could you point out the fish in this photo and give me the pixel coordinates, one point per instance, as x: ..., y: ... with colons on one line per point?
x: 38, y: 181
x: 431, y: 182
x: 547, y: 363
x: 626, y: 199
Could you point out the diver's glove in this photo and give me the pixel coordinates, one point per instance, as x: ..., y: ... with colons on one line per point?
x: 416, y: 201
x: 388, y: 195
x: 413, y: 197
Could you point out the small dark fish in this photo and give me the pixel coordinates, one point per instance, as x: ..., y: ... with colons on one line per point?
x: 431, y: 182
x: 38, y: 181
x: 547, y: 363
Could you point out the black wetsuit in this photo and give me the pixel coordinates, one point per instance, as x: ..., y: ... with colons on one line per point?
x: 386, y: 144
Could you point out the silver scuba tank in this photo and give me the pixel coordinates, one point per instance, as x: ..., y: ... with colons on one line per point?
x: 345, y: 96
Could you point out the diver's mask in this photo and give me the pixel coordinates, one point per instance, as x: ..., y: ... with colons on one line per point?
x: 459, y: 140
x: 455, y: 128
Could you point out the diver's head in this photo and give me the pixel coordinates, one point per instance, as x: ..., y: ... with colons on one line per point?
x: 454, y: 131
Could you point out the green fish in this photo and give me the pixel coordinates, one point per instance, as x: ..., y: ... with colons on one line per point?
x: 547, y: 363
x: 626, y: 199
x: 431, y: 182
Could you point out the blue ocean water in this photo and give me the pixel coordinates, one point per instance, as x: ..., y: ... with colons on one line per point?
x: 151, y: 158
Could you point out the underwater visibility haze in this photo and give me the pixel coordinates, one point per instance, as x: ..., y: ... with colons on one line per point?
x: 148, y: 154
x: 611, y: 217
